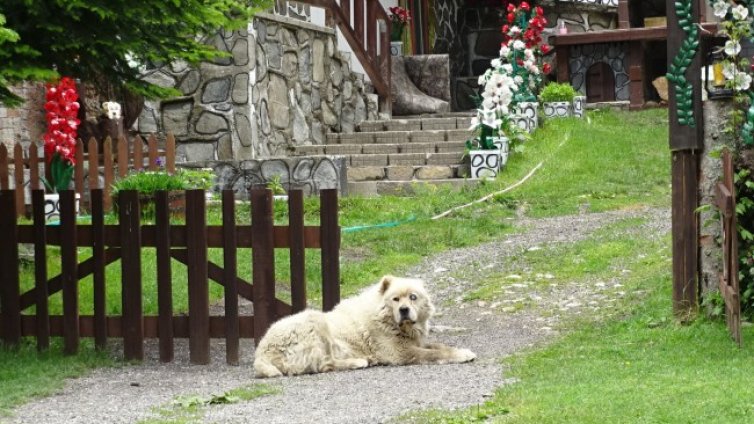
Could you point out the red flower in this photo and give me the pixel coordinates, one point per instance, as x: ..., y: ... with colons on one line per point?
x: 525, y: 6
x: 545, y: 48
x: 546, y: 68
x: 511, y: 8
x: 539, y: 11
x: 505, y: 28
x: 511, y: 17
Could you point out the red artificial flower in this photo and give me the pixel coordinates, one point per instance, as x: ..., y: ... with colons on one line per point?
x: 511, y: 8
x: 545, y: 48
x: 511, y: 17
x: 505, y: 28
x: 525, y: 6
x: 546, y: 68
x: 539, y: 11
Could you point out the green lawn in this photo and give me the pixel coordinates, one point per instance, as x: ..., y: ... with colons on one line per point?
x: 612, y: 160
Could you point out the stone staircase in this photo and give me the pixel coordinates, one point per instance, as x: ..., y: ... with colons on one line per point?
x: 391, y: 156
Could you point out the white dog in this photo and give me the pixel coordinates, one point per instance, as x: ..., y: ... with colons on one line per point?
x: 384, y: 325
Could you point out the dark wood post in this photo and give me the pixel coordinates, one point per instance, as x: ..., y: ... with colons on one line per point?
x: 196, y: 246
x: 40, y: 269
x: 230, y: 266
x: 164, y: 279
x: 69, y: 272
x: 130, y: 241
x: 330, y: 239
x: 685, y: 115
x: 10, y: 312
x: 263, y: 261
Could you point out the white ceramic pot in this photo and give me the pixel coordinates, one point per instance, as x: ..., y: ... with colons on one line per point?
x: 579, y: 103
x: 52, y: 206
x: 484, y: 163
x: 556, y: 109
x: 396, y: 48
x: 502, y: 144
x: 526, y: 116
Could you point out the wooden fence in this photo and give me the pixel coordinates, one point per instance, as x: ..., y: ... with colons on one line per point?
x: 124, y: 156
x: 725, y: 200
x: 187, y: 244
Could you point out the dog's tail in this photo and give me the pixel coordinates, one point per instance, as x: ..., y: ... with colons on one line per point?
x: 264, y: 368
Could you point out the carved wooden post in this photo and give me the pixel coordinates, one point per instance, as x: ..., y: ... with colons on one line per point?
x: 685, y: 115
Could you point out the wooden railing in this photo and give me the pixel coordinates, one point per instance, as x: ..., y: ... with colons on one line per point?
x: 110, y: 158
x: 370, y: 16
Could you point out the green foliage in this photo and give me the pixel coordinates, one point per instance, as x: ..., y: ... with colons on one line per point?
x: 149, y: 182
x: 61, y: 171
x: 557, y: 92
x: 744, y: 183
x: 275, y: 185
x: 109, y: 42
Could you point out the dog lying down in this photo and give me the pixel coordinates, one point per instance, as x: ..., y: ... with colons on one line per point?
x: 385, y: 325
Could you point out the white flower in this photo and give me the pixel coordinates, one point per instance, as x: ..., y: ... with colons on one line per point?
x: 529, y: 54
x: 720, y: 8
x: 474, y: 122
x: 729, y: 70
x: 732, y: 48
x: 742, y: 81
x: 740, y: 12
x: 518, y: 79
x: 518, y: 45
x: 495, y: 63
x: 508, y: 68
x: 515, y: 30
x: 505, y: 51
x: 481, y: 80
x: 490, y: 119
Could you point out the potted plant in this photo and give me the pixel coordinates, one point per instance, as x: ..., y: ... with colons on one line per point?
x: 150, y: 182
x: 62, y: 108
x: 276, y: 186
x: 487, y: 152
x: 399, y: 17
x: 556, y: 99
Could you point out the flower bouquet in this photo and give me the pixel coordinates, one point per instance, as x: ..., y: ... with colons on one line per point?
x: 60, y: 139
x: 399, y: 17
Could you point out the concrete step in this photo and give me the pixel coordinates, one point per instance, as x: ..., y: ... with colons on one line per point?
x: 402, y: 188
x: 416, y: 124
x: 410, y: 159
x: 398, y: 137
x: 407, y: 172
x: 386, y: 148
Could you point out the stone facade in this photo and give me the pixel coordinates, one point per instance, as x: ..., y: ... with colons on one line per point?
x: 283, y: 84
x: 614, y: 54
x: 311, y: 174
x: 25, y: 123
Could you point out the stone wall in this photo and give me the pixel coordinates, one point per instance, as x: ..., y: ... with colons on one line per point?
x: 283, y: 84
x: 25, y: 123
x: 309, y: 174
x: 614, y: 54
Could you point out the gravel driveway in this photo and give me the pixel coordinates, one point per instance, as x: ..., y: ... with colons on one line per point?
x: 132, y: 393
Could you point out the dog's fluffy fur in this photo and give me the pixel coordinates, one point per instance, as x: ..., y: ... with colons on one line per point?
x: 385, y: 325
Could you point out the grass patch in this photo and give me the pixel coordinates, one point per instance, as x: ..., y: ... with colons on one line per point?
x: 190, y: 409
x: 26, y: 373
x: 613, y: 160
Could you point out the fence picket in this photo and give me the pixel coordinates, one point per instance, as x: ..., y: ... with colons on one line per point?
x: 152, y: 153
x: 330, y: 239
x: 263, y: 261
x: 98, y: 274
x: 107, y: 164
x: 40, y: 267
x: 68, y: 264
x: 138, y: 153
x: 93, y: 165
x: 18, y: 173
x: 164, y: 282
x: 122, y: 156
x: 34, y: 167
x: 78, y: 168
x: 198, y: 284
x: 170, y: 154
x: 9, y: 281
x: 297, y: 249
x: 130, y: 241
x: 4, y: 168
x: 230, y: 261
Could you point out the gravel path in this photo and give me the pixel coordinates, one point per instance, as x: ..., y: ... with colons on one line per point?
x: 492, y: 329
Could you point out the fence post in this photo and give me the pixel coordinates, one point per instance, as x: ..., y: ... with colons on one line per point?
x: 107, y: 163
x: 198, y: 286
x: 263, y: 261
x: 33, y: 167
x: 164, y: 276
x: 230, y: 262
x: 18, y: 171
x: 9, y: 281
x: 96, y: 204
x: 40, y: 268
x: 69, y: 272
x: 4, y: 168
x: 130, y: 242
x: 329, y: 235
x: 297, y: 248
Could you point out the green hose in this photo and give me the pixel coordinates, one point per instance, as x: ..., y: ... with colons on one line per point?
x: 383, y: 225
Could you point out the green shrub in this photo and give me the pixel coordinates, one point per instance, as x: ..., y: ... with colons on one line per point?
x: 555, y: 92
x: 150, y: 181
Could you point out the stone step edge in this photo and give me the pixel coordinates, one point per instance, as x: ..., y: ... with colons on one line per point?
x: 402, y: 136
x: 406, y: 172
x: 382, y: 148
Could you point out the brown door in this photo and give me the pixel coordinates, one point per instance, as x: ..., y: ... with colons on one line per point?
x: 600, y: 83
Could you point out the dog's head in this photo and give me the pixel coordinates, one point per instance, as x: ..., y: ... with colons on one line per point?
x: 407, y: 301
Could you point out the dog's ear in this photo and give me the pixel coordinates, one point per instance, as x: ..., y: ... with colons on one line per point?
x: 385, y: 283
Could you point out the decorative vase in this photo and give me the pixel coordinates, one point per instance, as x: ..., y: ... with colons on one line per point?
x: 502, y: 144
x: 52, y: 206
x: 484, y: 163
x: 579, y: 102
x: 556, y: 109
x: 526, y: 116
x: 396, y: 48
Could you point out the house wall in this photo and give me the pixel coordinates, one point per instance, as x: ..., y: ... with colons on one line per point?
x: 25, y: 123
x: 614, y: 54
x: 284, y: 85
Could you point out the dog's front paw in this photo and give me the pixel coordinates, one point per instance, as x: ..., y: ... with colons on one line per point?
x: 465, y: 355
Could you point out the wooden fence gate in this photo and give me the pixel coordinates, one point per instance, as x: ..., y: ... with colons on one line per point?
x: 725, y: 199
x: 185, y: 243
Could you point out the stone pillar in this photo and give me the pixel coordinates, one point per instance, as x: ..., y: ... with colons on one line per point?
x: 716, y: 115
